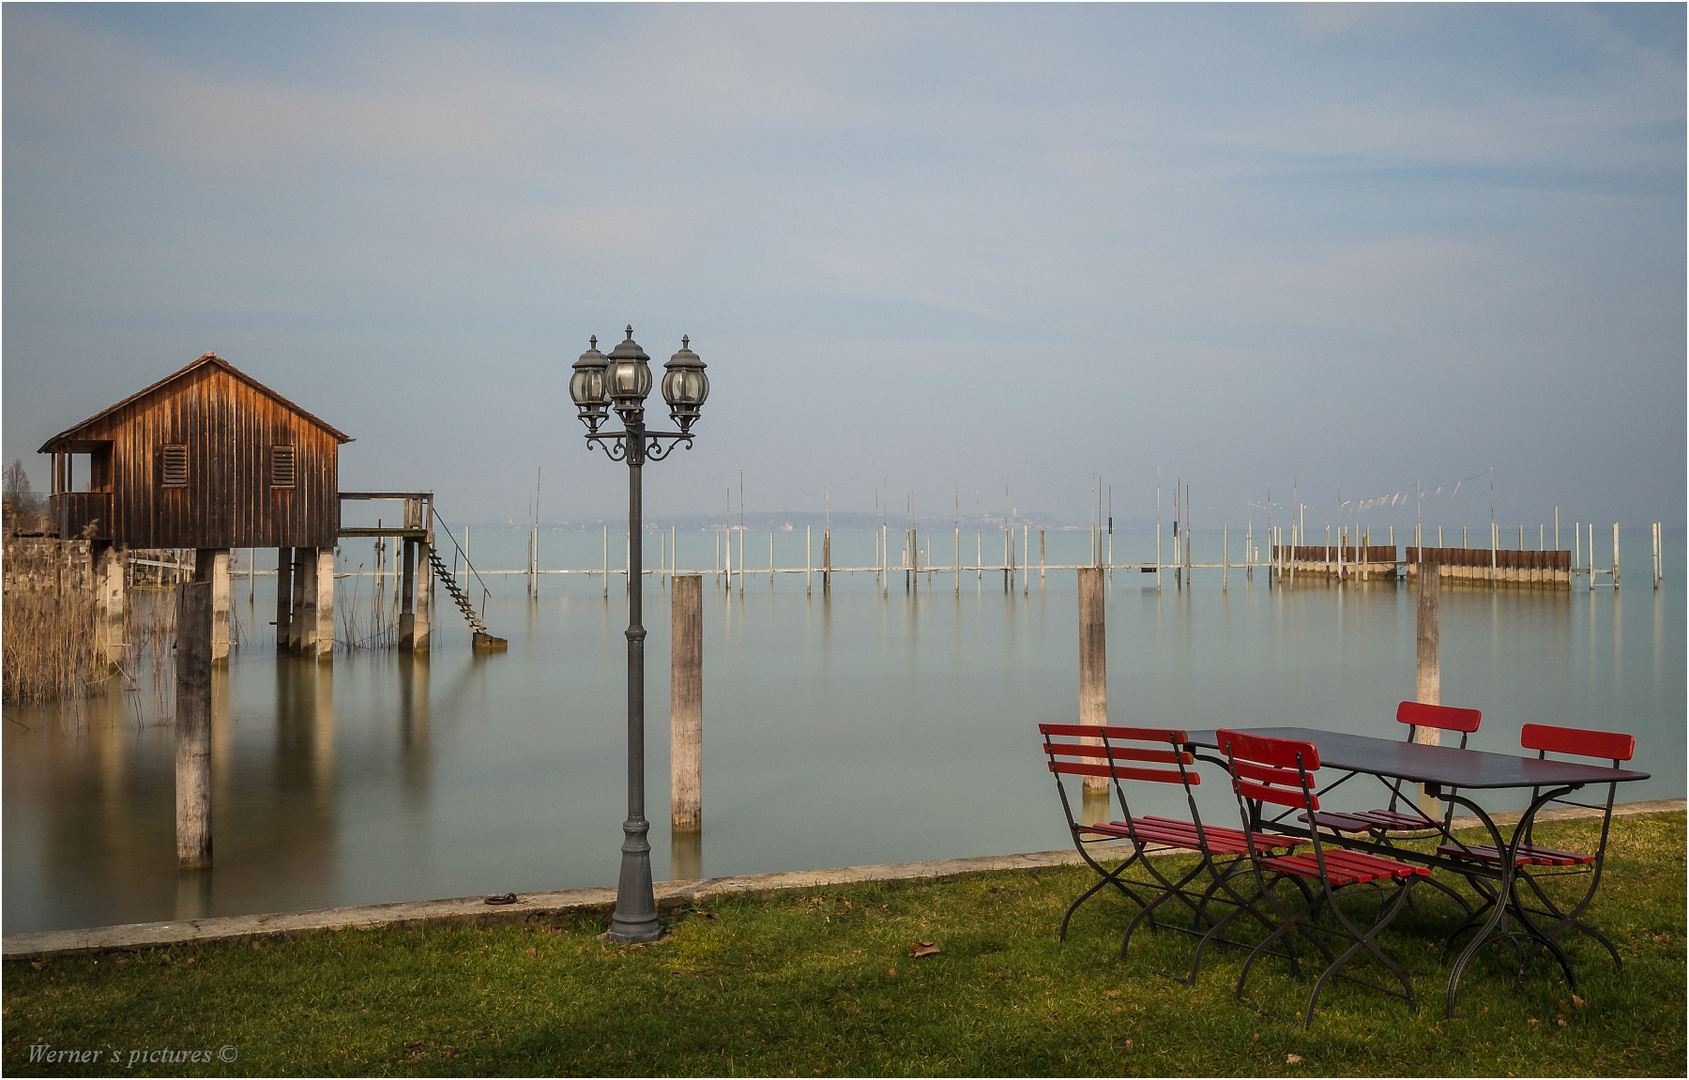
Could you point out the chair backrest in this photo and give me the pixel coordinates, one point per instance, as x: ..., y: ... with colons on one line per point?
x: 1278, y: 771
x: 1444, y: 717
x: 1580, y: 742
x: 1121, y: 753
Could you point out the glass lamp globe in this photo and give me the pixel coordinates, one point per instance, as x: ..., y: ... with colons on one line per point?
x: 685, y: 386
x: 629, y: 378
x: 587, y: 386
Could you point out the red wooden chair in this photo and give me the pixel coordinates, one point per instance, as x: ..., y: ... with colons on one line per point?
x: 1537, y: 866
x: 1149, y: 755
x: 1280, y: 772
x: 1392, y: 819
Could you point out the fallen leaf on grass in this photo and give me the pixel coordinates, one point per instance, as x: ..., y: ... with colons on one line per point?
x: 1577, y: 1001
x: 1114, y: 993
x: 892, y: 972
x: 1128, y: 1042
x: 1292, y: 1059
x: 38, y: 964
x: 1532, y: 1020
x: 1561, y: 1020
x: 924, y: 948
x: 533, y: 952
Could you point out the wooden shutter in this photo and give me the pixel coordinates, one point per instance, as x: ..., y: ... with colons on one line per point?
x: 175, y: 466
x: 281, y: 466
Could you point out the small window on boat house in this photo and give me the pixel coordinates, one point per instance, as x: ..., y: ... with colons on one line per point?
x: 175, y: 465
x: 281, y: 466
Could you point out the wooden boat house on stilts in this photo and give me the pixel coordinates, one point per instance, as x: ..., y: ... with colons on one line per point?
x: 211, y: 459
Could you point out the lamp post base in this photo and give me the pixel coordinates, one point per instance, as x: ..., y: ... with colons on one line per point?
x: 635, y: 919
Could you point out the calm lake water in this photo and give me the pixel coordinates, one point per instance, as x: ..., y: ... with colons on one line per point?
x: 863, y: 727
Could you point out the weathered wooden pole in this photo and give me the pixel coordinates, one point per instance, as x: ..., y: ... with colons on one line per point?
x: 1093, y: 660
x: 826, y: 560
x: 1428, y: 679
x: 1428, y: 676
x: 220, y: 607
x: 686, y: 704
x: 193, y: 725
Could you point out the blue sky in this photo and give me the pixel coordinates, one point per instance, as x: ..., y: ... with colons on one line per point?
x: 923, y: 246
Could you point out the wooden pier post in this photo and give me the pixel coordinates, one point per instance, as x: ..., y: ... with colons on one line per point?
x: 1093, y: 661
x: 686, y: 705
x: 193, y: 725
x: 826, y: 560
x: 220, y: 607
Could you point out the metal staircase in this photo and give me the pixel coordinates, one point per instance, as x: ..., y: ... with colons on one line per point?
x: 443, y: 575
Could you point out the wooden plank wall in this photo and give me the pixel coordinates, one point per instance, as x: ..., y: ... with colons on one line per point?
x: 228, y: 428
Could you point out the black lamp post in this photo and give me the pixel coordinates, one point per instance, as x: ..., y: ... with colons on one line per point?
x: 622, y: 380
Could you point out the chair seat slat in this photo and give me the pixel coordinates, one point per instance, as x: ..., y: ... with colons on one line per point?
x: 1526, y: 855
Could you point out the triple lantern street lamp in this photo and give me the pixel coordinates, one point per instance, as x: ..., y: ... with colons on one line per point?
x: 622, y: 381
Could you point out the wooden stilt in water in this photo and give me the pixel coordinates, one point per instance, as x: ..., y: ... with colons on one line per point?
x: 422, y: 612
x: 193, y: 725
x: 324, y: 606
x: 1093, y: 661
x: 284, y: 598
x: 686, y: 705
x: 304, y: 636
x: 407, y: 600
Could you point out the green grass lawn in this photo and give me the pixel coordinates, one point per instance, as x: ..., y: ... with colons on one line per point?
x: 821, y: 982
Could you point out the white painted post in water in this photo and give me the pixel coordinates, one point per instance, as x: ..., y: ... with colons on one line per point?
x: 1615, y: 554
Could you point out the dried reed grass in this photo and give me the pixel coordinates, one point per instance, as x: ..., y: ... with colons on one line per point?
x: 50, y: 646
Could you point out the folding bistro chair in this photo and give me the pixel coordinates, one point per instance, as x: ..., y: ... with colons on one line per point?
x: 1151, y: 755
x: 1280, y: 772
x: 1536, y: 866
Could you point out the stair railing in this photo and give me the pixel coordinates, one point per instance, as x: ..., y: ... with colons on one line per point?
x: 485, y: 592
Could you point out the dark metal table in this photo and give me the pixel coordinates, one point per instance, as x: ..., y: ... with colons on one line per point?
x: 1446, y: 771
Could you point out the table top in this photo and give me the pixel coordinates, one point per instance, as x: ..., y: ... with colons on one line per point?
x: 1449, y: 766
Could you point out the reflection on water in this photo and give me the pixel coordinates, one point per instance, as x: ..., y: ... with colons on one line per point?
x: 686, y: 856
x: 861, y: 726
